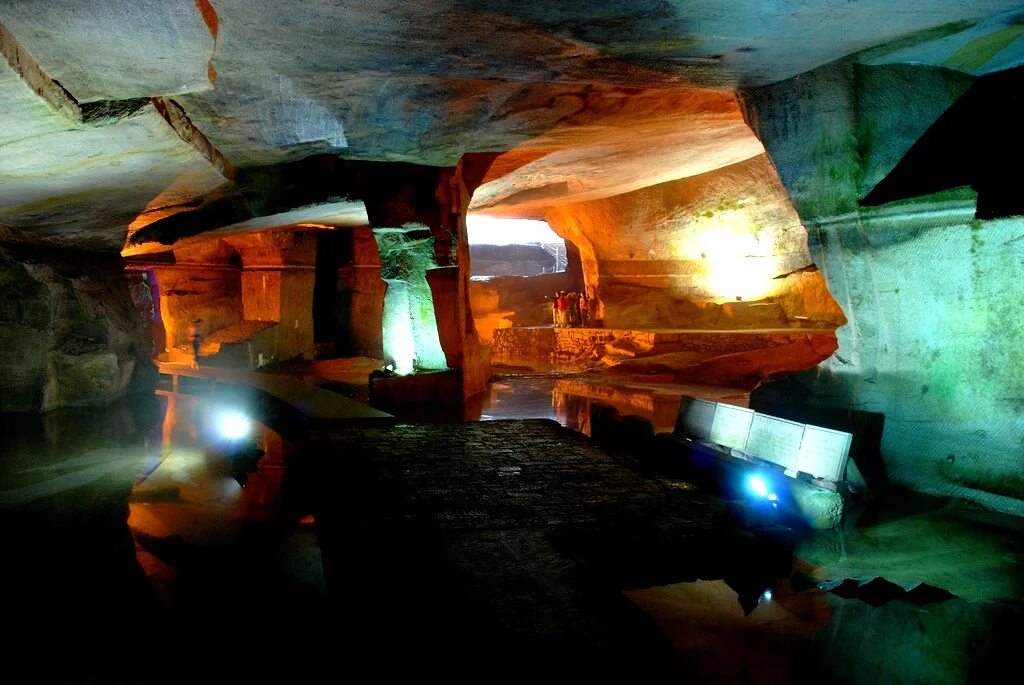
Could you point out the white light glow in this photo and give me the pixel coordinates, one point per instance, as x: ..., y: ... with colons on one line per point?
x: 767, y: 595
x: 399, y: 343
x: 489, y: 230
x: 233, y: 425
x: 758, y: 486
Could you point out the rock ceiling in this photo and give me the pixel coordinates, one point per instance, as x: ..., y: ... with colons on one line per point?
x: 585, y: 99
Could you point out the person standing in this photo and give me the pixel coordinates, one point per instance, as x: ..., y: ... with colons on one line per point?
x: 574, y: 309
x: 561, y: 302
x: 195, y: 336
x: 584, y: 310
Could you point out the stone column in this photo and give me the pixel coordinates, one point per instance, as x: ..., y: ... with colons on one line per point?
x: 278, y: 274
x: 411, y: 340
x: 360, y: 284
x: 418, y: 215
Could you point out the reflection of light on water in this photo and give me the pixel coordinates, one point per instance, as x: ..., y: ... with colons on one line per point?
x: 192, y: 493
x: 571, y: 400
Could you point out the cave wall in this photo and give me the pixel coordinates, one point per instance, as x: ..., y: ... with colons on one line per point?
x: 720, y: 250
x: 70, y: 335
x: 254, y: 293
x: 931, y: 295
x: 204, y: 282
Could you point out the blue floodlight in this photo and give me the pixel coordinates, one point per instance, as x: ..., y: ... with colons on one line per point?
x: 759, y: 486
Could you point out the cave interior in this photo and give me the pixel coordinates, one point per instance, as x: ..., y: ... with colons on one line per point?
x: 455, y: 259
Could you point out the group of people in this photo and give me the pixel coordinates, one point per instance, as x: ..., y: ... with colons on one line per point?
x: 571, y: 310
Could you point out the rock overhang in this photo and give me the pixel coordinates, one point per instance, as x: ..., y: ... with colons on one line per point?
x: 599, y: 99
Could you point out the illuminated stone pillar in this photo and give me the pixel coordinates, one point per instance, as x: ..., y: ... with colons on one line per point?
x: 411, y: 340
x: 418, y: 216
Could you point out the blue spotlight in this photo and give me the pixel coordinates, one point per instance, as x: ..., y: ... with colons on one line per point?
x: 757, y: 485
x: 761, y: 487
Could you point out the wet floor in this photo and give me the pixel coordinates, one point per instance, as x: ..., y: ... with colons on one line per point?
x: 139, y: 525
x: 137, y: 543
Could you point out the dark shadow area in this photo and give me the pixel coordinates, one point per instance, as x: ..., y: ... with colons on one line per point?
x: 976, y: 143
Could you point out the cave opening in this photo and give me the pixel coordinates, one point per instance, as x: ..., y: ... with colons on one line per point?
x: 514, y: 247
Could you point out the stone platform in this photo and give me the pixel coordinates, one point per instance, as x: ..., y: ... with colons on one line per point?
x: 290, y: 399
x: 733, y: 357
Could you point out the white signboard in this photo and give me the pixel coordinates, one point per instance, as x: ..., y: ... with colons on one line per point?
x: 823, y: 452
x: 695, y: 418
x: 775, y: 440
x: 731, y: 425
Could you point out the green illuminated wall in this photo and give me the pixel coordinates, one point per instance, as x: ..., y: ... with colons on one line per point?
x: 933, y: 297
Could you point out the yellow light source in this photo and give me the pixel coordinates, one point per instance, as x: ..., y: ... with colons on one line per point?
x: 739, y: 267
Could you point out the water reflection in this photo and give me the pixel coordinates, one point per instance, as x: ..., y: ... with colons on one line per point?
x: 810, y: 636
x: 127, y: 532
x: 202, y: 494
x: 570, y: 400
x: 720, y: 642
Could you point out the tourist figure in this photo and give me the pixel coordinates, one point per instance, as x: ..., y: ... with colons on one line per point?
x: 561, y: 304
x: 195, y: 336
x: 574, y: 309
x: 584, y: 310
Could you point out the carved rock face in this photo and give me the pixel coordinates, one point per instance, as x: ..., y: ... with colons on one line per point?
x: 71, y: 335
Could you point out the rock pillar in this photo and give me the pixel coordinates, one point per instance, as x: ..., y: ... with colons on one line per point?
x: 418, y: 215
x: 411, y: 338
x: 278, y: 275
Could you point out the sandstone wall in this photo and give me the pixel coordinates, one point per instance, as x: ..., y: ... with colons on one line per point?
x: 932, y: 296
x: 254, y: 293
x: 70, y: 335
x: 721, y: 250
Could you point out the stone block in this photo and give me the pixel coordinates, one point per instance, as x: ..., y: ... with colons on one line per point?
x: 444, y: 387
x: 819, y: 508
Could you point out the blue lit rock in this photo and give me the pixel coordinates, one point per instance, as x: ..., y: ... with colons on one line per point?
x: 410, y: 328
